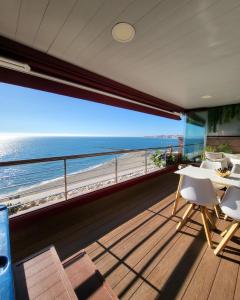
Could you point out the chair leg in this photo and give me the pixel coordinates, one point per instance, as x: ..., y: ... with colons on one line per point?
x: 226, y: 230
x: 210, y: 219
x: 217, y: 211
x: 206, y: 227
x: 234, y: 227
x: 185, y: 217
x: 176, y: 202
x: 225, y: 217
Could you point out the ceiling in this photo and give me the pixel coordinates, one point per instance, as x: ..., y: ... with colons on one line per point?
x: 182, y: 50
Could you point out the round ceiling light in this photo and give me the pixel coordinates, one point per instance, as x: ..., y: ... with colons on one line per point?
x: 123, y: 32
x: 206, y: 97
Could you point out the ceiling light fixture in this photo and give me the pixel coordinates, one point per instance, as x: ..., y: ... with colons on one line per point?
x: 123, y: 32
x: 206, y: 97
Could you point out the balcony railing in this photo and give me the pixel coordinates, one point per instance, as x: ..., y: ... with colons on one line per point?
x: 28, y: 184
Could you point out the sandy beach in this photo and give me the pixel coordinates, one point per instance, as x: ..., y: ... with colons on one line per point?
x: 128, y: 166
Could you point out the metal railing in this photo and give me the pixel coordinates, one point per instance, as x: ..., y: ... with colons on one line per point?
x: 24, y: 192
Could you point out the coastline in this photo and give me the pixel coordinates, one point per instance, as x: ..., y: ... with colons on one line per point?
x: 129, y: 166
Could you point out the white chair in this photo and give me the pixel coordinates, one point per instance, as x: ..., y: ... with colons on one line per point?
x: 198, y: 192
x: 230, y: 205
x: 213, y: 155
x: 236, y: 169
x: 207, y: 164
x: 214, y: 165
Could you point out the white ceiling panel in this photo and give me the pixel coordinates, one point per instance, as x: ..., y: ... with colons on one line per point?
x: 80, y: 16
x: 104, y: 42
x: 9, y: 13
x: 30, y: 17
x: 182, y: 50
x: 52, y: 22
x: 102, y: 19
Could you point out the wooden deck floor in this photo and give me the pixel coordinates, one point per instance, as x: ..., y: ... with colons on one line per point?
x: 132, y: 239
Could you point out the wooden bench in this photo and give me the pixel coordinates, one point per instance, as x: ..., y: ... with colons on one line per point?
x: 42, y: 276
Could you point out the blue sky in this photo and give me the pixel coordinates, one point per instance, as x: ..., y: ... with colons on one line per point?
x: 27, y: 111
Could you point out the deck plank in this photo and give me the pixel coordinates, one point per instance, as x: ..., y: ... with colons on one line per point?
x: 167, y: 274
x: 224, y: 285
x: 98, y: 218
x: 131, y: 250
x: 131, y: 237
x: 45, y: 279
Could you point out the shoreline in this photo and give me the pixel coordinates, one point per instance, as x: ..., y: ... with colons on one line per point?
x: 78, y: 183
x: 21, y: 191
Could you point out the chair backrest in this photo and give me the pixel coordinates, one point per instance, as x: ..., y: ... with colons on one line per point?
x: 213, y: 155
x: 236, y: 169
x: 198, y: 190
x: 230, y: 204
x: 213, y: 165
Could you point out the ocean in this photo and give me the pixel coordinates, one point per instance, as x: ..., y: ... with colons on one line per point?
x: 16, y: 178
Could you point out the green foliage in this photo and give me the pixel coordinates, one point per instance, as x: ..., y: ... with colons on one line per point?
x: 161, y: 159
x: 185, y: 158
x: 158, y: 158
x: 225, y: 147
x: 170, y: 159
x: 222, y: 114
x: 211, y: 149
x: 12, y: 209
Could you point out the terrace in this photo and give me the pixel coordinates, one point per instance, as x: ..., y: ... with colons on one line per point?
x: 131, y: 237
x: 181, y: 63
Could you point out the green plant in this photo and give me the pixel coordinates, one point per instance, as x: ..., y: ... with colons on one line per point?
x: 158, y: 158
x: 170, y: 159
x: 12, y: 209
x: 185, y: 158
x: 222, y: 114
x: 161, y: 159
x: 210, y: 149
x: 225, y: 147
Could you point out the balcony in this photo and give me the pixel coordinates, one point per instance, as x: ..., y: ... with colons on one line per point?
x: 183, y: 61
x: 131, y: 237
x: 23, y: 189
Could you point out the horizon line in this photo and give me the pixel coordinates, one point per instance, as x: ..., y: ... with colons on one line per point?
x: 42, y: 134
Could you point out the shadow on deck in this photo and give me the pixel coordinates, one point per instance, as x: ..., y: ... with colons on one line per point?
x: 131, y: 237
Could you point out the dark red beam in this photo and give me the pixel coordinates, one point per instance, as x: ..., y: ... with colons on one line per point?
x: 49, y: 65
x: 26, y: 80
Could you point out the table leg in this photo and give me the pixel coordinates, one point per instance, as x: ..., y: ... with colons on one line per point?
x: 178, y: 196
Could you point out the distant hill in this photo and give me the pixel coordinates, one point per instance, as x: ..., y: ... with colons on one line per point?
x: 165, y: 136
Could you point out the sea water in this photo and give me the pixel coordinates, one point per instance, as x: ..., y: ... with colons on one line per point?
x: 15, y: 178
